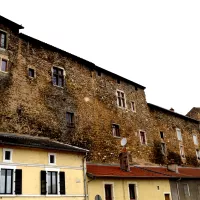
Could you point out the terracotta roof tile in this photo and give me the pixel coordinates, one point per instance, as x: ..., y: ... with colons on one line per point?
x: 96, y: 170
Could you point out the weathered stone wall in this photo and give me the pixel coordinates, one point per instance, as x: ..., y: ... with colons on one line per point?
x: 167, y: 122
x: 34, y: 106
x: 194, y: 113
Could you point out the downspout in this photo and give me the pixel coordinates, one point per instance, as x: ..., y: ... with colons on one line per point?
x: 84, y: 177
x: 178, y: 188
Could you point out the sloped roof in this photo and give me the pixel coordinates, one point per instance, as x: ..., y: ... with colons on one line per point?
x: 109, y: 171
x: 10, y: 23
x: 152, y: 106
x: 36, y: 142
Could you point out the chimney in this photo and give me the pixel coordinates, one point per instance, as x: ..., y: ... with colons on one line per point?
x: 171, y: 109
x: 124, y: 161
x: 172, y: 166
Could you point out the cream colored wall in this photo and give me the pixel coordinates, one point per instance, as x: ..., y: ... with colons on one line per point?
x: 32, y: 161
x: 146, y: 189
x: 37, y: 156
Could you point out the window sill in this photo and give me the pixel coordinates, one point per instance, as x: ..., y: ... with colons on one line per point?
x: 4, y: 72
x: 61, y: 87
x: 2, y: 49
x: 117, y: 137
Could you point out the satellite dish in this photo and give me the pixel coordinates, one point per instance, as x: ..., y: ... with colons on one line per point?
x: 123, y: 141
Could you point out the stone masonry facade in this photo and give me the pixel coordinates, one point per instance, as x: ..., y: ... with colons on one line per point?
x: 102, y: 107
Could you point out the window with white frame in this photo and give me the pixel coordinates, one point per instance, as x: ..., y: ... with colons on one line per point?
x: 195, y: 140
x: 198, y: 154
x: 143, y: 139
x: 52, y: 182
x: 121, y: 101
x: 132, y: 191
x: 52, y: 158
x: 186, y: 189
x: 7, y: 186
x: 182, y: 152
x: 179, y: 135
x: 7, y: 155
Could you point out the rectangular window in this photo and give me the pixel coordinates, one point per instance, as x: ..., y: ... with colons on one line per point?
x: 161, y: 135
x: 52, y: 182
x: 31, y: 73
x: 58, y: 76
x: 70, y: 119
x: 2, y: 40
x: 7, y: 155
x: 4, y: 65
x: 121, y: 99
x: 198, y: 154
x: 133, y: 106
x: 108, y: 192
x: 143, y: 137
x: 132, y: 192
x: 182, y: 152
x: 195, y: 140
x: 186, y: 189
x: 179, y: 135
x: 52, y: 158
x: 115, y: 130
x: 6, y: 181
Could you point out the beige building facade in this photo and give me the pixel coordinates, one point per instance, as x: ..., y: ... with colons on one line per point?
x: 37, y: 168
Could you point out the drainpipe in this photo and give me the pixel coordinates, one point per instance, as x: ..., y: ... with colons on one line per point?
x: 178, y: 188
x: 84, y: 177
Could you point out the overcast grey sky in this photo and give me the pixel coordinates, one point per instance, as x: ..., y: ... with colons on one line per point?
x: 155, y: 43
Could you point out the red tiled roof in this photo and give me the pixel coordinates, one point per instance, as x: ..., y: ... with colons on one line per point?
x: 96, y: 170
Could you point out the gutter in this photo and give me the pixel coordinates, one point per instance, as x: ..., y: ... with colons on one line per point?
x: 84, y: 177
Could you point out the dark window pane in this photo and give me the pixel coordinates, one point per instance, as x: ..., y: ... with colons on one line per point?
x: 108, y: 192
x: 52, y: 159
x: 31, y: 72
x: 7, y: 155
x: 132, y: 191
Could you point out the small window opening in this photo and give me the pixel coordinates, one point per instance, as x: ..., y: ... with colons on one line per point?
x: 115, y: 130
x: 133, y: 106
x: 158, y: 187
x: 31, y: 73
x: 7, y: 155
x: 121, y: 99
x: 70, y: 119
x: 4, y: 65
x: 136, y: 88
x: 2, y: 40
x: 118, y: 81
x: 161, y: 135
x: 58, y: 76
x: 142, y: 137
x: 52, y: 159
